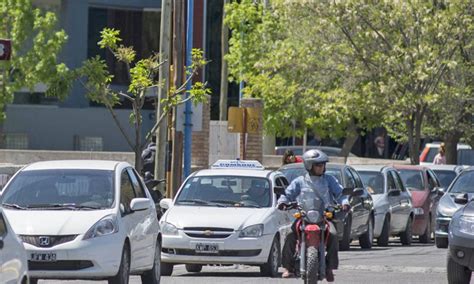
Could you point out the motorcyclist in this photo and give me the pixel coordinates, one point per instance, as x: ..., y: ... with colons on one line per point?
x: 329, y: 190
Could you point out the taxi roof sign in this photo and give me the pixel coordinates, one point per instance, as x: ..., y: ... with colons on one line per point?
x: 238, y: 164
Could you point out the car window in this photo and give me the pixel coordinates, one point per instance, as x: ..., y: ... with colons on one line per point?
x: 463, y: 184
x: 350, y: 182
x: 432, y: 182
x: 466, y: 157
x: 398, y: 181
x: 137, y: 186
x: 390, y: 182
x: 68, y: 188
x: 293, y: 173
x: 336, y: 174
x: 359, y: 183
x: 126, y: 191
x: 445, y: 177
x: 373, y: 180
x: 285, y: 182
x: 3, y: 226
x: 412, y: 179
x: 281, y: 181
x: 235, y: 191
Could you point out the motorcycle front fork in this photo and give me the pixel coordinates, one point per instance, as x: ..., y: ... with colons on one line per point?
x: 321, y: 250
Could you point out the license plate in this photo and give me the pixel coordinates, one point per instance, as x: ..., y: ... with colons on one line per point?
x: 47, y: 257
x: 207, y: 248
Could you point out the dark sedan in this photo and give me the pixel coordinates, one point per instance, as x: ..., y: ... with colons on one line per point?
x: 359, y: 222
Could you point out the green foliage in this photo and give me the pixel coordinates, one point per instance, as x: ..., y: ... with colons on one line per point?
x: 36, y: 42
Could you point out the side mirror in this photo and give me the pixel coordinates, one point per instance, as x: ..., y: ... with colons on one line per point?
x: 165, y: 203
x: 394, y: 192
x: 347, y: 191
x: 440, y: 190
x: 358, y: 192
x: 280, y: 190
x: 461, y: 199
x: 138, y: 204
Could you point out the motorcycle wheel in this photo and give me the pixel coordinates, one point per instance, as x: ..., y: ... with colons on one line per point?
x: 312, y: 265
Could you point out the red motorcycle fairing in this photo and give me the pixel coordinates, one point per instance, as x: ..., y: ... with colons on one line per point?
x: 313, y: 233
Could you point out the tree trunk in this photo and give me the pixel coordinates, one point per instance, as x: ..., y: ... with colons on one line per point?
x: 351, y: 138
x: 451, y: 142
x: 138, y: 142
x: 224, y: 69
x: 414, y: 159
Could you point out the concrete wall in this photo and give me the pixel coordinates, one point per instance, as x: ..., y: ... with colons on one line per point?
x: 54, y: 128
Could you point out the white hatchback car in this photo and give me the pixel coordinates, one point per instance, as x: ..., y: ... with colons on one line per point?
x: 84, y: 220
x: 13, y: 263
x: 226, y: 215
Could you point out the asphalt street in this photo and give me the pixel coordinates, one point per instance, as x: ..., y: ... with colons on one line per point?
x: 418, y: 263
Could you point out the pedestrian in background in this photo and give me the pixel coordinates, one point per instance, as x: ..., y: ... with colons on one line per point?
x: 289, y: 157
x: 440, y: 158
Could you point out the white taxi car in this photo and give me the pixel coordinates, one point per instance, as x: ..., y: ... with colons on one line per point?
x: 226, y: 215
x: 13, y: 263
x: 84, y: 220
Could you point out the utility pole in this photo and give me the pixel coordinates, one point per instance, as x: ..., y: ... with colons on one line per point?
x: 188, y: 126
x: 161, y: 158
x: 224, y: 70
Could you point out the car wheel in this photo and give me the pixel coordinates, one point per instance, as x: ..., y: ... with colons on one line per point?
x: 345, y: 243
x: 382, y: 240
x: 166, y: 269
x: 407, y: 235
x: 426, y: 237
x: 457, y: 274
x: 367, y: 238
x: 193, y: 268
x: 271, y: 267
x: 153, y: 276
x: 123, y: 274
x: 441, y: 242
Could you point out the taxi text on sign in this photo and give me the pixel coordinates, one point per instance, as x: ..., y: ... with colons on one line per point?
x: 243, y: 120
x: 5, y: 49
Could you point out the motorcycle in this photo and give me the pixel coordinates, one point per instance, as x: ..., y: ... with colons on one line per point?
x: 151, y: 183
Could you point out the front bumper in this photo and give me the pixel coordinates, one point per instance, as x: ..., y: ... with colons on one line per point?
x: 467, y: 259
x: 232, y: 250
x: 442, y: 227
x: 95, y: 258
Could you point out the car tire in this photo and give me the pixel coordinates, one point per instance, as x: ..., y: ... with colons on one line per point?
x: 153, y: 276
x: 270, y: 268
x: 33, y: 281
x: 407, y: 236
x: 441, y: 242
x: 123, y: 275
x: 382, y: 240
x: 366, y: 239
x: 345, y: 243
x: 195, y: 268
x: 166, y: 269
x: 457, y: 274
x: 426, y: 237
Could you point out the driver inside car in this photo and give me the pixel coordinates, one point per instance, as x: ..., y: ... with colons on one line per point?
x: 329, y: 190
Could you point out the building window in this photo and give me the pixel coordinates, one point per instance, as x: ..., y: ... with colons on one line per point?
x: 15, y: 141
x: 34, y: 98
x: 87, y: 143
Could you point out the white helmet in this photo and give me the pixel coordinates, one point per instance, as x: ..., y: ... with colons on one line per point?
x: 314, y: 156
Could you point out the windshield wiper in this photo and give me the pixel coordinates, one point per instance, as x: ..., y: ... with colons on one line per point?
x: 61, y: 206
x: 15, y: 206
x: 202, y: 202
x: 249, y: 205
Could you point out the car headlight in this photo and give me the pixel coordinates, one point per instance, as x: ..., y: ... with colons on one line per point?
x: 465, y: 224
x: 169, y: 229
x: 105, y: 226
x: 445, y: 211
x: 253, y: 231
x: 418, y: 211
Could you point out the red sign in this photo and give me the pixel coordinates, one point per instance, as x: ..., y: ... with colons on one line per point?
x: 5, y: 49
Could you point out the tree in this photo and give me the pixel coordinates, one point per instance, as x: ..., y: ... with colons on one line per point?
x: 96, y: 78
x: 36, y: 42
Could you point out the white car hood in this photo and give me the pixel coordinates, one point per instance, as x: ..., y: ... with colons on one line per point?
x: 53, y: 222
x: 236, y: 218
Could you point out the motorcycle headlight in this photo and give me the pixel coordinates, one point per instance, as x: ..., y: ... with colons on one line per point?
x: 169, y: 229
x: 313, y: 216
x: 105, y: 226
x: 253, y: 231
x: 418, y: 211
x: 465, y: 224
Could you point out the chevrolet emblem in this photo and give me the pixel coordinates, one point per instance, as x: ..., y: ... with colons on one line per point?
x: 207, y: 233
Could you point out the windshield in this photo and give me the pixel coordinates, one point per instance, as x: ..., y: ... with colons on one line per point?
x: 463, y: 184
x: 221, y: 191
x: 373, y: 180
x: 445, y: 177
x: 309, y: 200
x: 60, y: 189
x: 412, y: 179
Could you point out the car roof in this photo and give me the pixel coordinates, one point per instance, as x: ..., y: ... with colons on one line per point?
x: 442, y: 167
x: 233, y: 172
x: 301, y: 165
x: 438, y: 144
x: 370, y: 168
x: 409, y: 167
x: 73, y: 164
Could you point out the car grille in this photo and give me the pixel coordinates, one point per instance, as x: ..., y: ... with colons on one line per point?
x: 60, y: 265
x: 40, y: 241
x: 252, y: 252
x: 208, y: 232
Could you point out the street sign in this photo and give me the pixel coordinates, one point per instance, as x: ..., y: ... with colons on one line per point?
x: 243, y: 120
x: 5, y: 49
x: 235, y: 121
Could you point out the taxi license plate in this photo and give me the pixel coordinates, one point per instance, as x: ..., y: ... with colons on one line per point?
x: 207, y: 248
x: 46, y: 257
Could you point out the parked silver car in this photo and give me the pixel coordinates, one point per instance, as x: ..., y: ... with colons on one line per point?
x: 446, y: 173
x: 392, y: 203
x: 463, y: 184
